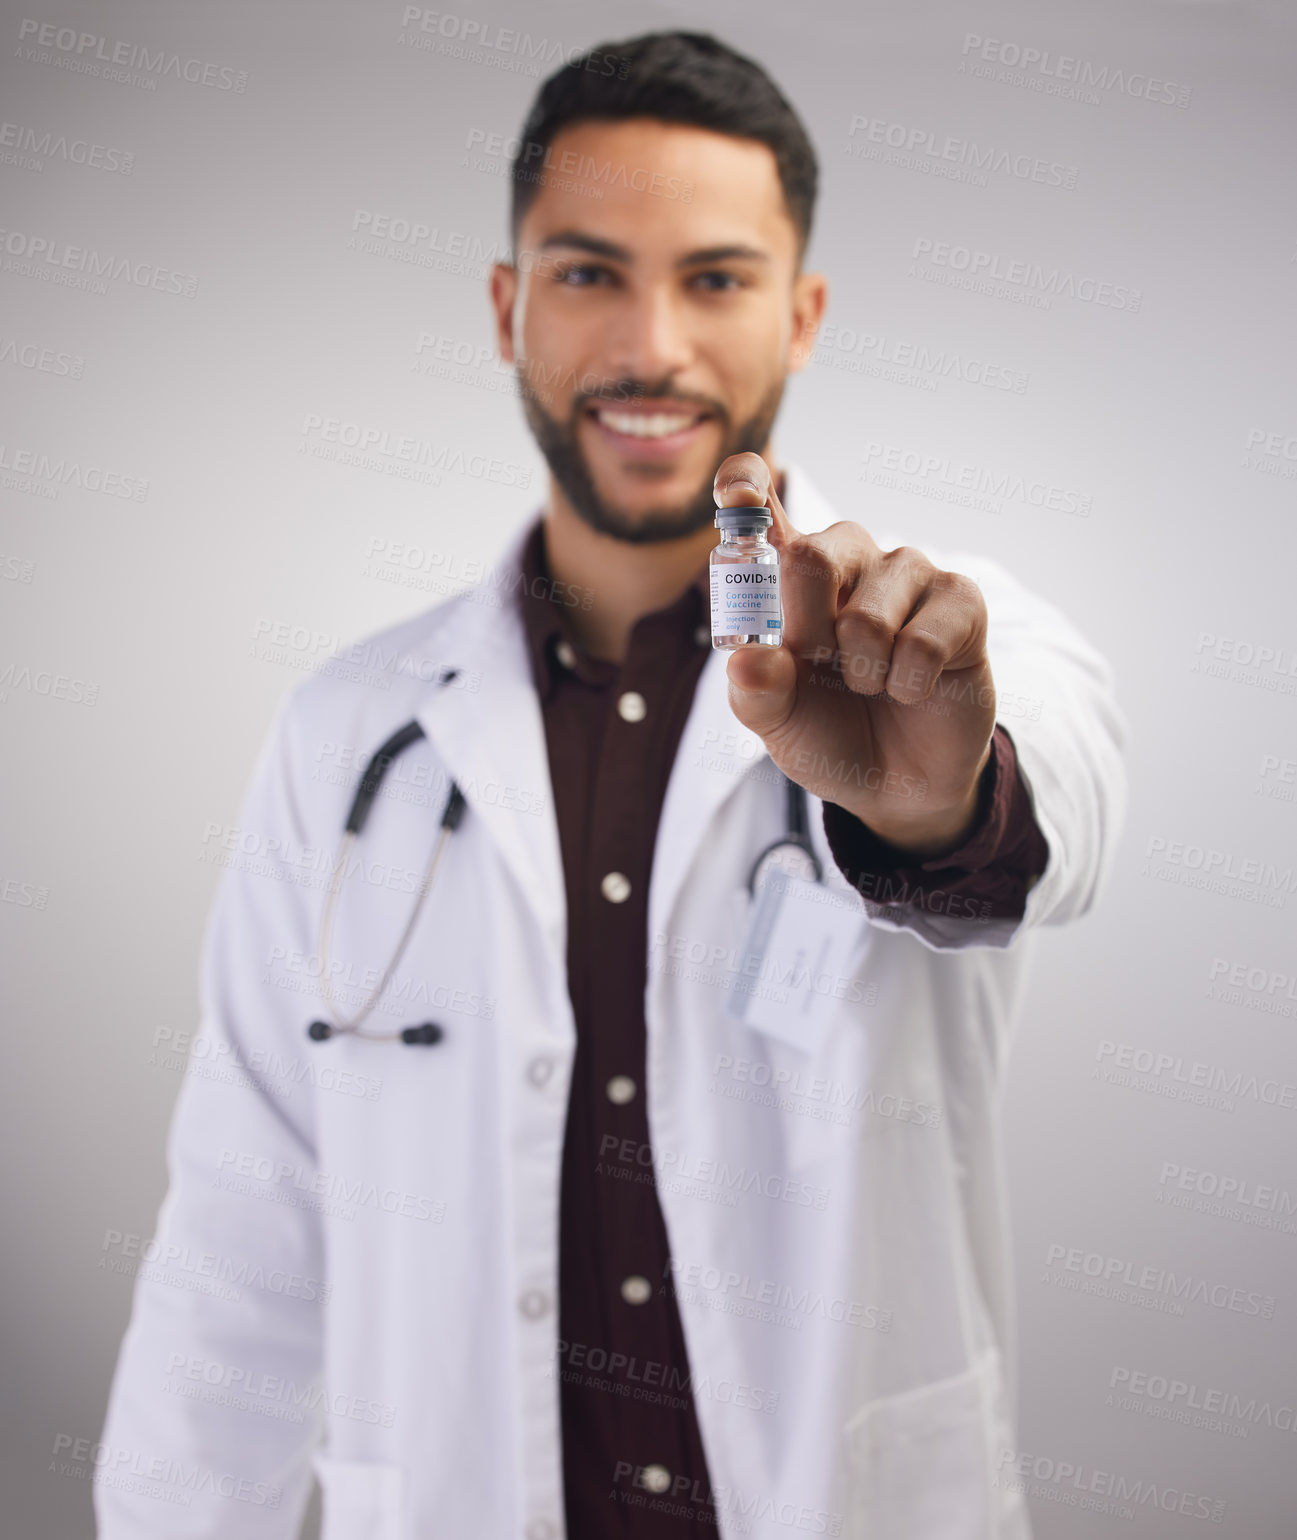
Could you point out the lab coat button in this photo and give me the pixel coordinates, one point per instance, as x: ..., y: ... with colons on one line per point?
x: 657, y: 1478
x: 615, y: 887
x: 539, y: 1070
x: 621, y: 1089
x: 533, y: 1303
x: 563, y: 652
x: 636, y: 1290
x: 631, y: 706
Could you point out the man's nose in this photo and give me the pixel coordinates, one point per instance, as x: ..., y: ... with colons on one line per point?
x: 648, y: 338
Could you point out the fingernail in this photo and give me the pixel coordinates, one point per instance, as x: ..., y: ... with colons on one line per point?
x: 734, y: 481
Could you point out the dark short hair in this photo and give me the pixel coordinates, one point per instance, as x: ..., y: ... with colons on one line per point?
x: 677, y: 77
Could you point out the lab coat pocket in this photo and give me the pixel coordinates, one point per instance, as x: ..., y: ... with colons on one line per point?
x: 922, y: 1461
x: 361, y: 1499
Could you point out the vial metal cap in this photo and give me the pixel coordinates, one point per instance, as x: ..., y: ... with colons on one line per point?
x: 741, y: 518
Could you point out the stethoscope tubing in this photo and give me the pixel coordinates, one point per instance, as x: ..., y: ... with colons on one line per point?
x: 370, y: 782
x: 796, y: 833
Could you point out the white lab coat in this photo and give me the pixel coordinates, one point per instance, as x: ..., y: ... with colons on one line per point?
x: 418, y: 1187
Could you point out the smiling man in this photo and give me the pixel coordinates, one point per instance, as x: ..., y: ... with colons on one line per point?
x: 721, y: 1241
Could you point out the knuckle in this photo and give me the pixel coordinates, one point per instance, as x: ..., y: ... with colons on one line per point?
x: 862, y: 624
x: 855, y: 543
x: 907, y: 564
x: 808, y: 558
x: 956, y: 585
x: 925, y: 647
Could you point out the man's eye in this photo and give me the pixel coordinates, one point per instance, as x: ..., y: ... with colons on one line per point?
x: 722, y: 281
x: 580, y: 275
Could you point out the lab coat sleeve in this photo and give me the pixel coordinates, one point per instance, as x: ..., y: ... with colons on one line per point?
x: 1055, y: 696
x: 210, y: 1417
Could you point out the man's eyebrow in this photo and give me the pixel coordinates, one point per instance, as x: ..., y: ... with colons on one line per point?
x: 724, y: 254
x: 594, y: 244
x: 599, y: 247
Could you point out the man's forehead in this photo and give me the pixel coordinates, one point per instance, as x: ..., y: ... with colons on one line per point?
x: 660, y: 186
x: 659, y: 136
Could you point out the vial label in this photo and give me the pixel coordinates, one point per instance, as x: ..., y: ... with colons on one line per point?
x: 745, y: 599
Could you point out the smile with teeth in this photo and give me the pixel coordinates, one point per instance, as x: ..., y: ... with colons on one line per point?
x: 647, y: 424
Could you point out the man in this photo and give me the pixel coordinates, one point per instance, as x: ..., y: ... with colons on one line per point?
x: 688, y: 1216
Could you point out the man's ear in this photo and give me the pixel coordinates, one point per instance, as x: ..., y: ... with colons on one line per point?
x: 810, y: 297
x: 504, y: 291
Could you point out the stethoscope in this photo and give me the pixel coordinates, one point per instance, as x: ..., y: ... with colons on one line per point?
x: 370, y: 782
x: 796, y: 839
x: 794, y: 844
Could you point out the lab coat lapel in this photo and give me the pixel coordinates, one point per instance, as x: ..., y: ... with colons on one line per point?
x: 489, y: 731
x: 714, y: 754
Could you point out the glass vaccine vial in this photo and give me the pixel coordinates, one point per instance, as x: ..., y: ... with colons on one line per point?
x: 745, y: 581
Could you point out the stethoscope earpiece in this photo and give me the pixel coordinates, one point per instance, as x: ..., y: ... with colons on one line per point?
x: 428, y: 1033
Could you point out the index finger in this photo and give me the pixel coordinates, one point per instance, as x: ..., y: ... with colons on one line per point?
x: 746, y: 481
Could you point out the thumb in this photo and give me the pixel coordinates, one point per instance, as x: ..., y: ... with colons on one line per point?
x: 763, y: 687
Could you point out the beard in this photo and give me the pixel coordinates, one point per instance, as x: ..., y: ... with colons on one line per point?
x: 559, y: 444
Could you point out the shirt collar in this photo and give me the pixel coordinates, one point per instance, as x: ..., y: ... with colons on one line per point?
x: 552, y: 643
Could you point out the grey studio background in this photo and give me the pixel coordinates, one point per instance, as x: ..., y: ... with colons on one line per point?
x: 1106, y: 342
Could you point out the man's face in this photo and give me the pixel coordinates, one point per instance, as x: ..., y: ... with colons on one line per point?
x: 653, y: 333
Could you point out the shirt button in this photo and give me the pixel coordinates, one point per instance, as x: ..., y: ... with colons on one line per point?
x: 563, y: 652
x: 533, y: 1303
x: 615, y: 887
x: 636, y: 1290
x: 539, y: 1070
x: 702, y: 635
x: 621, y: 1089
x: 631, y: 706
x: 657, y: 1478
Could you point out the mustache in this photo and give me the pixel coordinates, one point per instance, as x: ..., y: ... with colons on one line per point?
x: 621, y: 391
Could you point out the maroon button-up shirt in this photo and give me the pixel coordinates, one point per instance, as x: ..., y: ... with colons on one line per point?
x: 633, y: 1459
